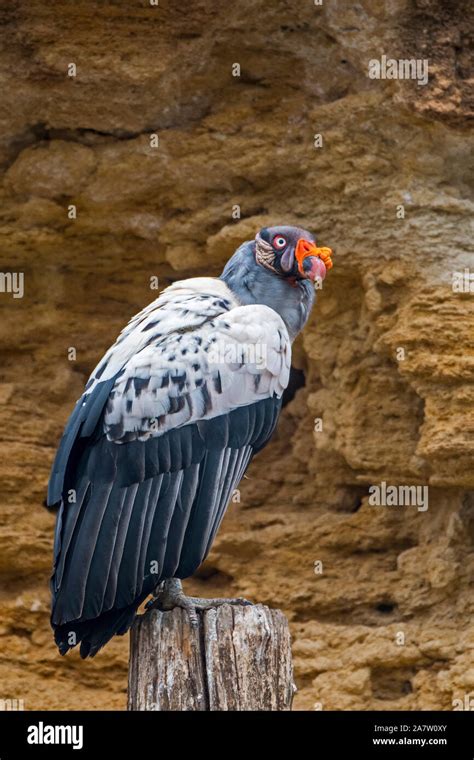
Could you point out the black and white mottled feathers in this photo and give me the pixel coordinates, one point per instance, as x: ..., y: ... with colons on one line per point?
x: 153, y: 450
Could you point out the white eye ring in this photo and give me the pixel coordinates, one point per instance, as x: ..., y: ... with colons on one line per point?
x: 279, y: 241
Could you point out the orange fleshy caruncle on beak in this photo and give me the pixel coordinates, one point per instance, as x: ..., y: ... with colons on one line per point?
x: 313, y: 262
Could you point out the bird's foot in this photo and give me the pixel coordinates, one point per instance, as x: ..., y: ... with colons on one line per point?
x: 170, y: 595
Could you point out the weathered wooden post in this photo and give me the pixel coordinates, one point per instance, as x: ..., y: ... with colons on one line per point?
x: 238, y: 658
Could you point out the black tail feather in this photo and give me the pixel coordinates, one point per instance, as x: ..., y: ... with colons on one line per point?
x: 94, y: 634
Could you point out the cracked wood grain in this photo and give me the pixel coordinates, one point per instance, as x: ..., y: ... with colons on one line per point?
x: 239, y: 658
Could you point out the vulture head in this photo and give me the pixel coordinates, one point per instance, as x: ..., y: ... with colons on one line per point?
x: 291, y: 252
x: 280, y: 268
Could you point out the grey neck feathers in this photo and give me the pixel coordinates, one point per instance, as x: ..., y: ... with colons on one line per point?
x: 253, y: 284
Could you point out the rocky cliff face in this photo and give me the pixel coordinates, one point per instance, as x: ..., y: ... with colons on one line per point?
x: 378, y: 596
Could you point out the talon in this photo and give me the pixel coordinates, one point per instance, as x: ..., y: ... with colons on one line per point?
x: 171, y: 595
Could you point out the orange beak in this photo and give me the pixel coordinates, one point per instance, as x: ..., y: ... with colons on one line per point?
x: 312, y: 261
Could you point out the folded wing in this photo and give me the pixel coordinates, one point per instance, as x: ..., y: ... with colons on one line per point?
x: 150, y: 467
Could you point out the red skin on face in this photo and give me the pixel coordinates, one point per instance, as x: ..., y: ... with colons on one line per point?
x: 320, y: 259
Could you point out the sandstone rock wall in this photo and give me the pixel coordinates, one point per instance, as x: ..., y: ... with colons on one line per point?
x: 387, y: 623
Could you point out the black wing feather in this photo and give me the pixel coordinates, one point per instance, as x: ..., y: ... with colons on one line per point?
x: 81, y: 424
x: 180, y: 520
x: 143, y: 505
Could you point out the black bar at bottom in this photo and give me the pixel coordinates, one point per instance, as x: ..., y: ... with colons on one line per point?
x: 117, y: 734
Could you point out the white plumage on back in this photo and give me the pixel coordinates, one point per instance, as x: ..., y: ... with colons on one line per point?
x: 185, y: 304
x: 229, y: 361
x: 192, y: 354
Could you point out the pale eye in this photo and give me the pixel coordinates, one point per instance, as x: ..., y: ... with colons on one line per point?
x: 279, y: 241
